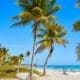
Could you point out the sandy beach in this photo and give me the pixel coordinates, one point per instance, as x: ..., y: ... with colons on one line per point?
x: 56, y: 75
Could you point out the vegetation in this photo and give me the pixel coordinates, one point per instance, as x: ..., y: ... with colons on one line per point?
x: 76, y: 26
x: 3, y: 54
x: 8, y: 71
x: 77, y: 3
x: 40, y: 13
x: 28, y: 56
x: 78, y: 52
x: 48, y: 38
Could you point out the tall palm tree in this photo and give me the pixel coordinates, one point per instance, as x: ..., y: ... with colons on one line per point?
x: 55, y: 34
x: 78, y: 52
x: 76, y: 26
x: 36, y: 11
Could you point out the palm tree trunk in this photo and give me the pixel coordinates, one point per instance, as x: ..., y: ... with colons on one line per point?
x: 49, y: 55
x: 45, y: 64
x: 33, y: 54
x: 18, y: 66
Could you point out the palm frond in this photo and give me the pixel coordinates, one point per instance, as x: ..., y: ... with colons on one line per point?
x: 40, y: 42
x: 76, y: 26
x: 53, y: 10
x: 23, y: 19
x: 39, y: 49
x: 24, y: 4
x: 39, y: 36
x: 37, y: 12
x: 16, y: 17
x: 19, y: 24
x: 47, y: 4
x: 64, y: 42
x: 61, y: 41
x: 43, y: 45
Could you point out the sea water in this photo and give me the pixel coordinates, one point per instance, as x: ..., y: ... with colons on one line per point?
x: 62, y: 67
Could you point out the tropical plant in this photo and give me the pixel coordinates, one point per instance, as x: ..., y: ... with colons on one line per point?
x: 37, y: 12
x: 78, y: 52
x: 20, y: 59
x: 76, y: 26
x: 28, y: 56
x: 3, y: 53
x: 55, y: 34
x: 14, y: 60
x: 77, y: 5
x: 7, y: 57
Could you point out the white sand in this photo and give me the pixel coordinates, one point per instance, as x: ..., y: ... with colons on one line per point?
x: 10, y: 79
x: 58, y: 75
x: 53, y: 75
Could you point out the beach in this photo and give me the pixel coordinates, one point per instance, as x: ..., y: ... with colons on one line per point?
x: 55, y: 75
x: 58, y: 75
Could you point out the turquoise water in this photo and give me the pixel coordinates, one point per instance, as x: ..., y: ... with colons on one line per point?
x: 62, y: 67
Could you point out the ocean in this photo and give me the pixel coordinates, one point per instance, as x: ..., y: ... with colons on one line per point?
x: 62, y: 67
x: 58, y: 67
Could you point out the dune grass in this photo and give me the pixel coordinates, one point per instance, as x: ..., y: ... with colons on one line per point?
x: 7, y: 71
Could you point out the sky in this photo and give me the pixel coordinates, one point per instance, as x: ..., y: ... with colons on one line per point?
x: 19, y: 40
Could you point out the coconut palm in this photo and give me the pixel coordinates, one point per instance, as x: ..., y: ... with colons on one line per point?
x: 55, y: 34
x: 37, y: 12
x: 78, y: 52
x: 76, y: 26
x: 77, y: 5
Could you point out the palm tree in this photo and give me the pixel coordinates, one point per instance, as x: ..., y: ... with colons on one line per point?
x: 3, y: 53
x: 78, y: 52
x: 48, y: 38
x: 27, y: 55
x: 77, y: 5
x: 14, y: 60
x: 76, y: 26
x: 20, y: 59
x: 37, y: 12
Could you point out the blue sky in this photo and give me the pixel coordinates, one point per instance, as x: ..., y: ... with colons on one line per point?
x: 20, y: 40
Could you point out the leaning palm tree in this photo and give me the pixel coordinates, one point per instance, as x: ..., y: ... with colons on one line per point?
x: 76, y: 26
x: 55, y: 34
x: 37, y: 12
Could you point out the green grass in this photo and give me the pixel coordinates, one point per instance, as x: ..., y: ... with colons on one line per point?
x: 7, y: 71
